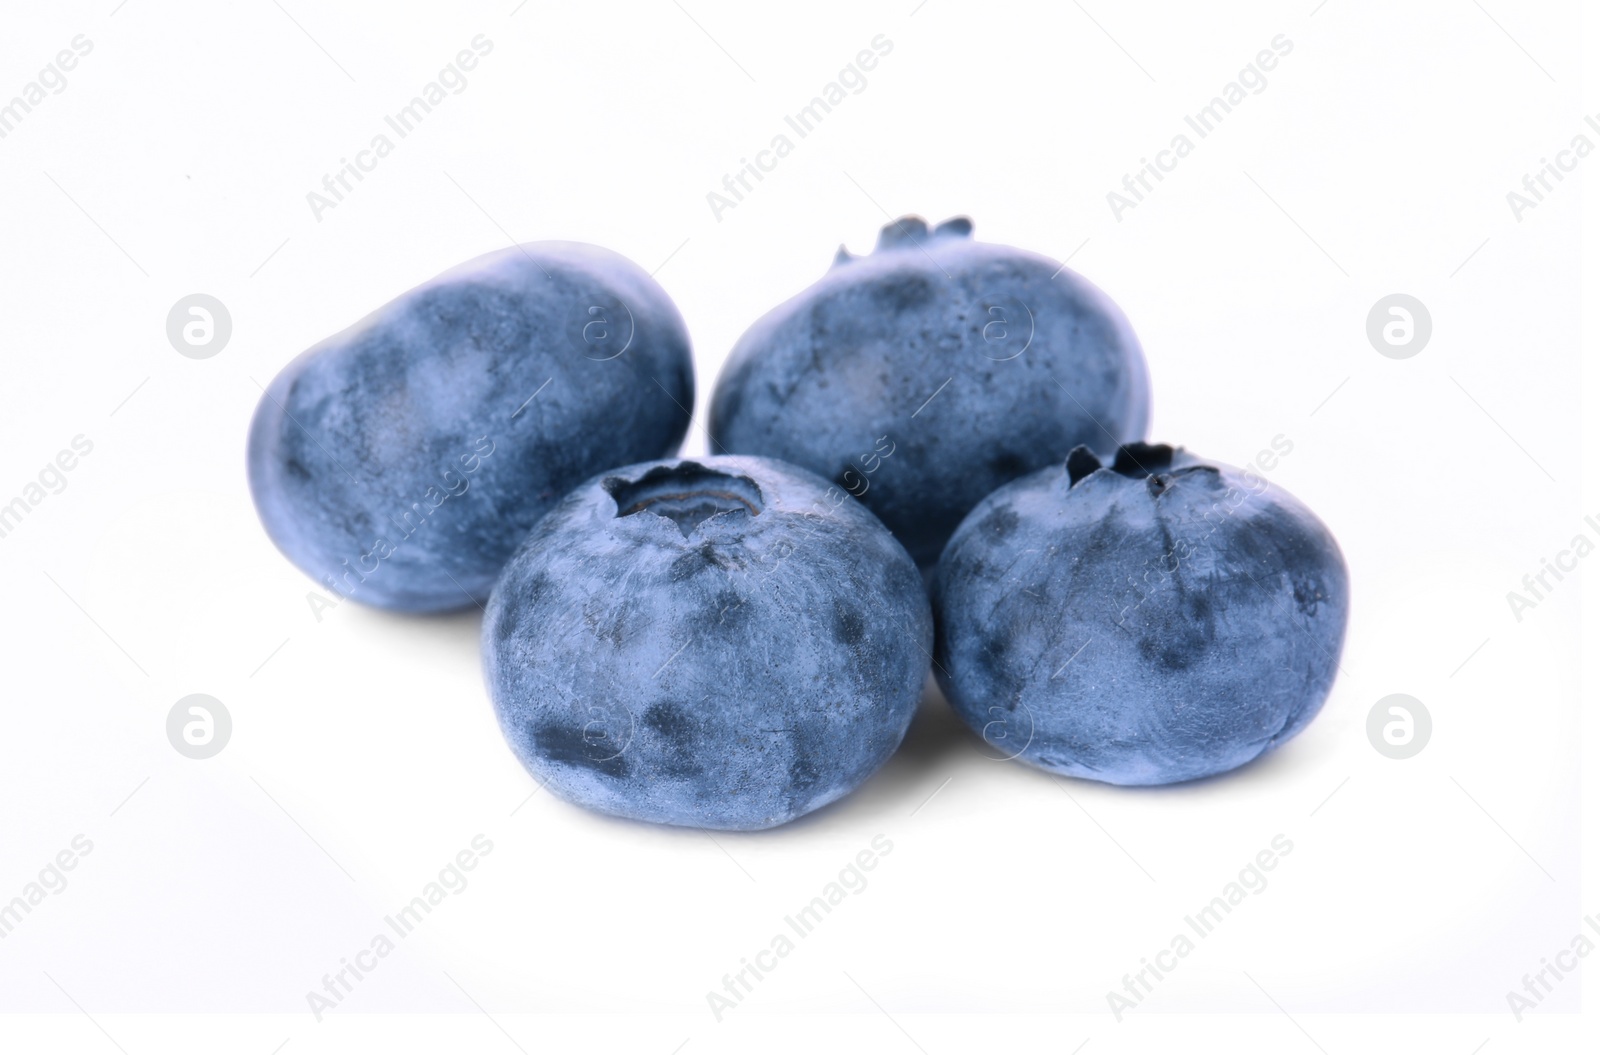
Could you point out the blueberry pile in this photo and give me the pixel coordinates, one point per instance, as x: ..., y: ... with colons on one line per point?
x: 932, y: 459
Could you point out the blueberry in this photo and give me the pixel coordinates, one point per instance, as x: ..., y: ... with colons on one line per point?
x: 925, y: 375
x: 401, y: 462
x: 1156, y: 620
x: 726, y: 642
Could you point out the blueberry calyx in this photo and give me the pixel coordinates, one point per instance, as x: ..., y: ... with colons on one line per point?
x: 1136, y: 461
x: 1080, y: 463
x: 908, y: 232
x: 1139, y: 460
x: 687, y: 494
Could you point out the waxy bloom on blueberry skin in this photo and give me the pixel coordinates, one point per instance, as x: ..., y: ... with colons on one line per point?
x: 401, y: 462
x: 724, y: 642
x: 976, y: 363
x: 1156, y: 620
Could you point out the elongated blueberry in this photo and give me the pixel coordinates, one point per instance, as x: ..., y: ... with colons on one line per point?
x: 400, y: 462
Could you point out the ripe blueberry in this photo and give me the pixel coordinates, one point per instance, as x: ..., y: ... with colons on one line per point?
x: 726, y: 642
x: 925, y: 375
x: 1155, y: 620
x: 401, y: 461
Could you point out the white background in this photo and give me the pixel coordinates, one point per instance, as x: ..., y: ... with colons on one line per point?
x: 364, y: 754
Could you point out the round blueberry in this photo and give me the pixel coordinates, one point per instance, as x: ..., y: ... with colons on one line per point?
x: 726, y: 642
x: 400, y: 462
x: 1156, y: 620
x: 925, y: 375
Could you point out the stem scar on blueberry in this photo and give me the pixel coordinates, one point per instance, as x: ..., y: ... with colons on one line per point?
x: 687, y: 494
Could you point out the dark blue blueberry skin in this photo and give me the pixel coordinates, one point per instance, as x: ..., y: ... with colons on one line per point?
x: 1028, y: 361
x: 726, y: 642
x: 1155, y: 621
x: 401, y: 462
